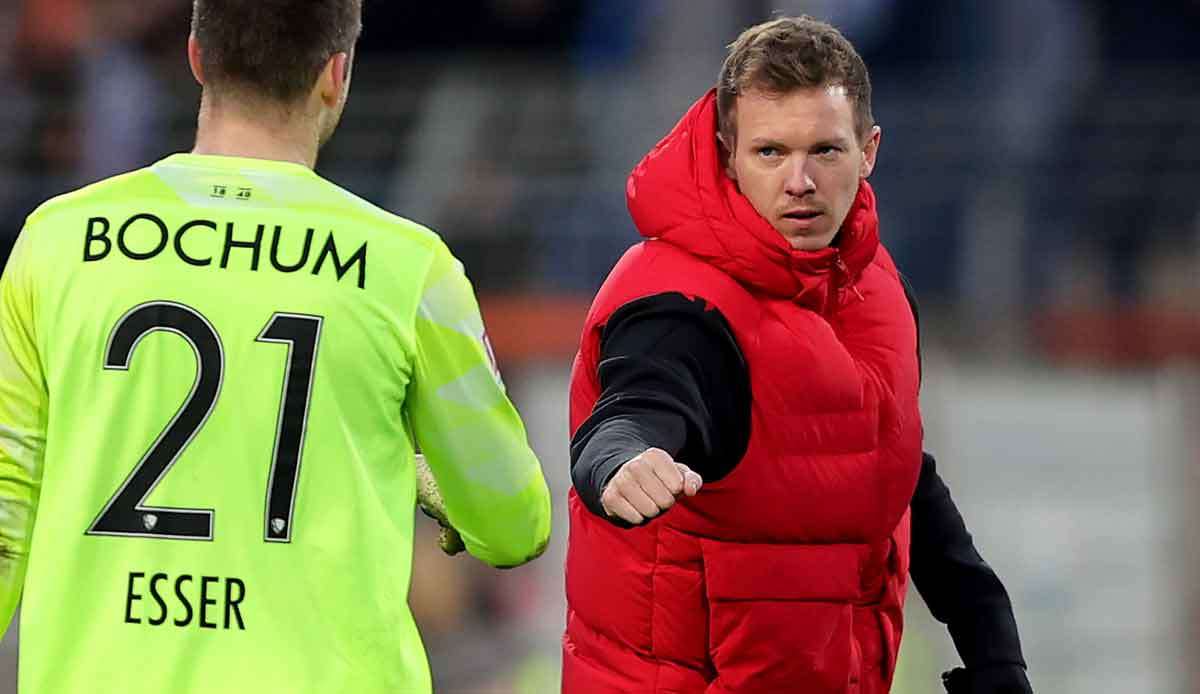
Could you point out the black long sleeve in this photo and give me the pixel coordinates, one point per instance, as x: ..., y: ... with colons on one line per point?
x: 961, y: 590
x: 671, y: 377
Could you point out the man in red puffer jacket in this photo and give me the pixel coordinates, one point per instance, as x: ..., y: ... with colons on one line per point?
x: 752, y: 366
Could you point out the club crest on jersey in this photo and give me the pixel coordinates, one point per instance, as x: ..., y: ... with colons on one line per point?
x: 277, y: 525
x: 149, y: 520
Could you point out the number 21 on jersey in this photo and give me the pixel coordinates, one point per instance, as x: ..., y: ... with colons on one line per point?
x: 126, y: 512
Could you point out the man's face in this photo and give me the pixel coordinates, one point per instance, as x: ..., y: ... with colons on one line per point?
x: 799, y: 162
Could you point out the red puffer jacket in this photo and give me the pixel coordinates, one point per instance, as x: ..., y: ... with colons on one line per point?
x: 789, y: 574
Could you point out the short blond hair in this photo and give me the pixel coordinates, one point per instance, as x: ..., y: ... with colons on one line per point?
x: 792, y: 53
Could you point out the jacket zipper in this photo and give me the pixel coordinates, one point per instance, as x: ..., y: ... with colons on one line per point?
x: 841, y: 266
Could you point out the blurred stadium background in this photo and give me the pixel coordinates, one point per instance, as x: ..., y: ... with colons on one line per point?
x: 1038, y: 182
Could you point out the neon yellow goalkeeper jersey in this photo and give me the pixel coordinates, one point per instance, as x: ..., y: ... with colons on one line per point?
x: 213, y: 372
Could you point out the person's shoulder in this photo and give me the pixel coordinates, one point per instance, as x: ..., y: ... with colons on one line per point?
x: 884, y: 262
x: 138, y: 182
x: 387, y: 223
x: 400, y: 237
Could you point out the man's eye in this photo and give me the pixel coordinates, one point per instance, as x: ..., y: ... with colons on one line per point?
x: 767, y: 152
x: 828, y: 151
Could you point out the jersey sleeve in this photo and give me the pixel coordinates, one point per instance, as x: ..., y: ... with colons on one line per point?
x: 471, y: 435
x: 23, y: 406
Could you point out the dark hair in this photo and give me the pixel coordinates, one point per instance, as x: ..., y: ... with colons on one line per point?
x: 792, y: 53
x: 273, y: 47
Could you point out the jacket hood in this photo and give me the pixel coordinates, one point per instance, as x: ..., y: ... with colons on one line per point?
x: 680, y: 194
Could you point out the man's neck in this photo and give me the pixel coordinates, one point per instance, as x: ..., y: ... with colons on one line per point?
x: 224, y: 132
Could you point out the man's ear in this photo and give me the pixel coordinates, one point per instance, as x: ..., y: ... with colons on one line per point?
x: 870, y: 152
x: 727, y: 154
x: 332, y: 82
x: 196, y: 59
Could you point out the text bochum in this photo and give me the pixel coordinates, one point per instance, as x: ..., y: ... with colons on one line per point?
x: 240, y: 246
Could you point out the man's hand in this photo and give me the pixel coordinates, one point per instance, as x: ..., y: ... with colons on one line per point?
x: 429, y: 498
x: 648, y: 485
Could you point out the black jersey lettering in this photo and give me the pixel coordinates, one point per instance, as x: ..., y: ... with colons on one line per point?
x: 145, y: 236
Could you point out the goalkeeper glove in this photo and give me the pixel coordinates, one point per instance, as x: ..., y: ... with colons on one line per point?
x: 429, y: 499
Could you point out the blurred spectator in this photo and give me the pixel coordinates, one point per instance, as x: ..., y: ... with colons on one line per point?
x: 125, y: 104
x: 45, y: 56
x: 51, y: 32
x: 624, y: 46
x: 1130, y: 139
x: 506, y: 26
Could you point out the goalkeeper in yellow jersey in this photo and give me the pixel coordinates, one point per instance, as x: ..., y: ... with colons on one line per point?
x: 213, y: 375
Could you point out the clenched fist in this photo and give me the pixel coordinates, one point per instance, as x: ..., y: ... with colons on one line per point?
x: 648, y: 485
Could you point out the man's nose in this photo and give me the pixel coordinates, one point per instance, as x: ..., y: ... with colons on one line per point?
x: 798, y: 183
